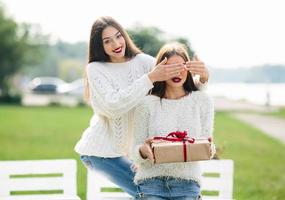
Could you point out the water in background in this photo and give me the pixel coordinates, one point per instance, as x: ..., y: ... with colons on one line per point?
x: 260, y: 93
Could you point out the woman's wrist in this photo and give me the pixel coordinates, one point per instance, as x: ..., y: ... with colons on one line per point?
x: 204, y: 78
x: 151, y: 77
x: 142, y: 154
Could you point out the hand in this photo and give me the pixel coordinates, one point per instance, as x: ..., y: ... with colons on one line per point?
x: 134, y: 167
x: 163, y: 72
x: 198, y: 67
x: 212, y: 147
x: 146, y: 151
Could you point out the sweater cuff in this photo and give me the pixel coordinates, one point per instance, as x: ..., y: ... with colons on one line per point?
x: 147, y: 81
x: 199, y: 84
x: 213, y: 150
x: 137, y: 156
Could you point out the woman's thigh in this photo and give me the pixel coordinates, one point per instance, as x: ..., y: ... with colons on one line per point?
x: 169, y: 188
x: 152, y: 198
x: 184, y: 189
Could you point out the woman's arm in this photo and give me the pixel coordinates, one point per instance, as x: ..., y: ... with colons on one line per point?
x: 207, y: 119
x: 206, y: 115
x: 110, y: 101
x: 141, y: 149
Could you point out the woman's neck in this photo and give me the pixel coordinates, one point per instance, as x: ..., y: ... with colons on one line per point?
x: 174, y: 93
x: 119, y: 60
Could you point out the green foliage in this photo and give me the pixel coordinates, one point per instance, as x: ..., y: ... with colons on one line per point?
x: 19, y: 46
x: 151, y: 39
x: 148, y: 39
x: 279, y: 113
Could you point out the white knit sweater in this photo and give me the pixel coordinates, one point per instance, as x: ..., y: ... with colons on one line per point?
x: 115, y: 88
x: 193, y: 113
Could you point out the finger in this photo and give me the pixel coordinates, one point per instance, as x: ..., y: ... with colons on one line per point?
x: 148, y: 140
x: 163, y: 62
x: 195, y: 63
x: 200, y: 69
x: 196, y: 70
x: 179, y: 65
x: 196, y: 66
x: 210, y: 139
x: 174, y: 69
x: 151, y: 157
x: 196, y: 57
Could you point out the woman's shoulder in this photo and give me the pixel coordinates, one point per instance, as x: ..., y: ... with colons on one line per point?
x: 97, y: 69
x: 201, y: 97
x: 148, y: 102
x: 94, y: 66
x: 145, y: 58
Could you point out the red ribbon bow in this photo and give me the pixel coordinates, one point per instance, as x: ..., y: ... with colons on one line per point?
x: 178, y: 137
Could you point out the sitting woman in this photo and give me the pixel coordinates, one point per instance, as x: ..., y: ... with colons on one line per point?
x: 174, y: 105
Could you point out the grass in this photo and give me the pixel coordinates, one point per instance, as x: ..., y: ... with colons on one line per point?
x: 52, y: 132
x: 43, y: 133
x: 280, y: 113
x: 259, y: 160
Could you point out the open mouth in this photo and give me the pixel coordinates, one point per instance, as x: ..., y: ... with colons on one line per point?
x: 118, y: 50
x: 176, y: 79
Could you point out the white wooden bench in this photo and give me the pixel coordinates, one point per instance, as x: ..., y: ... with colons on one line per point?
x: 217, y: 183
x: 38, y: 180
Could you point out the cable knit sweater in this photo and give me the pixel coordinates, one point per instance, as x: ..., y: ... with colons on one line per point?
x: 115, y: 89
x: 193, y: 113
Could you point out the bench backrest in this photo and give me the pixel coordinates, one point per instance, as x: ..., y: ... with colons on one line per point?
x: 38, y: 178
x: 217, y: 182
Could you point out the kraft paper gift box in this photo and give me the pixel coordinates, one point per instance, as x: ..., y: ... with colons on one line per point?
x: 185, y: 150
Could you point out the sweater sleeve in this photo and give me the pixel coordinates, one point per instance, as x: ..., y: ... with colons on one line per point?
x: 110, y: 101
x: 206, y: 115
x: 141, y: 128
x: 150, y: 65
x: 201, y: 86
x: 207, y: 119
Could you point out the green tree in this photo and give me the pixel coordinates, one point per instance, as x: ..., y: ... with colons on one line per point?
x: 20, y: 45
x: 151, y: 39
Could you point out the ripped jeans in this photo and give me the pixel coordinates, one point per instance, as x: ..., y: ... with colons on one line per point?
x: 168, y: 188
x: 117, y: 170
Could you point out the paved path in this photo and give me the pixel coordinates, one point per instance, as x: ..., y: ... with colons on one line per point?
x: 222, y: 104
x: 272, y: 126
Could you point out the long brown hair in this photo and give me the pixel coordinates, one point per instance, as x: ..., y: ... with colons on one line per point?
x: 168, y: 51
x: 96, y: 49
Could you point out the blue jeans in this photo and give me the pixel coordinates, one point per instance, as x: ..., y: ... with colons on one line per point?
x: 168, y: 188
x: 117, y: 170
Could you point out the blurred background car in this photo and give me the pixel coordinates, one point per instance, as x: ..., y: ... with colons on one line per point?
x: 43, y: 91
x: 45, y: 85
x: 74, y: 89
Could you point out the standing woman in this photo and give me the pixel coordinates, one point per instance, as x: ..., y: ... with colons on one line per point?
x: 119, y: 75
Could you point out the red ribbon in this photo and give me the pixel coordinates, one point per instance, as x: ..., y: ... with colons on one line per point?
x: 178, y: 137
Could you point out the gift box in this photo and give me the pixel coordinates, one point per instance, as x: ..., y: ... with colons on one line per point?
x: 177, y: 147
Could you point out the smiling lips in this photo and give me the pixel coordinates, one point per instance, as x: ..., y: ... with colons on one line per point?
x: 176, y: 79
x: 118, y: 50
